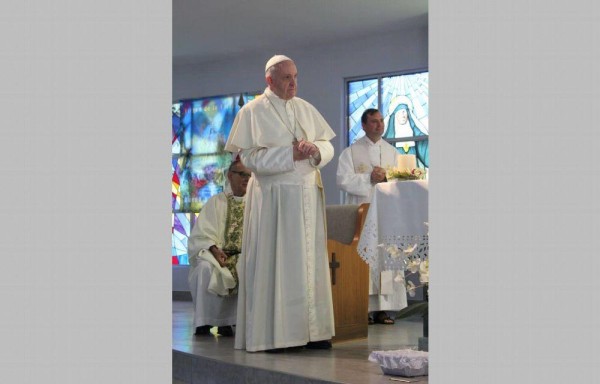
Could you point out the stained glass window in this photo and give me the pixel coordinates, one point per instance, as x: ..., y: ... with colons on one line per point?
x: 403, y: 101
x: 180, y: 231
x: 199, y: 165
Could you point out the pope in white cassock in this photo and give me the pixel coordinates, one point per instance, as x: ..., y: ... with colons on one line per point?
x: 360, y: 167
x: 214, y: 247
x: 284, y: 297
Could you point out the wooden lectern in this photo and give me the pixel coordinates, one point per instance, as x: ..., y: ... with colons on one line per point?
x: 349, y: 273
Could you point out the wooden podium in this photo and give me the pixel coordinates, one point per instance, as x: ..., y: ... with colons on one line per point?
x: 349, y: 273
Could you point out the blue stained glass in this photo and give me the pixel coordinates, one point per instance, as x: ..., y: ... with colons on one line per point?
x: 362, y: 94
x: 186, y: 126
x: 404, y: 107
x: 412, y: 90
x: 211, y: 123
x: 175, y: 185
x: 176, y: 120
x: 180, y: 234
x: 207, y: 176
x: 200, y: 130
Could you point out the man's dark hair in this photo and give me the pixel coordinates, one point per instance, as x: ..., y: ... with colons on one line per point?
x: 366, y: 114
x: 234, y: 163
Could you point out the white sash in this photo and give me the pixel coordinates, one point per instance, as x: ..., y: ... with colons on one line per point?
x: 364, y: 156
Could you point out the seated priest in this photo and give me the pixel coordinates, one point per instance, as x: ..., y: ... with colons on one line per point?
x: 213, y: 248
x: 360, y: 167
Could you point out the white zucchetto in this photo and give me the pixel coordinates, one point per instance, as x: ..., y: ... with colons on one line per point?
x: 275, y: 60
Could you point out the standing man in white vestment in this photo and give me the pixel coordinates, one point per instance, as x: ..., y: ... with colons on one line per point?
x: 213, y: 248
x: 284, y: 298
x: 360, y: 167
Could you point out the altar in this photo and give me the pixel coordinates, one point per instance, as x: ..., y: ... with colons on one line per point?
x: 398, y: 214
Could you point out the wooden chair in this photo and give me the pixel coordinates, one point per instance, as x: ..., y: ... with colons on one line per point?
x: 349, y: 273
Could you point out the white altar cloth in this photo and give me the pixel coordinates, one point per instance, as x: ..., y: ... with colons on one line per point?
x: 397, y: 215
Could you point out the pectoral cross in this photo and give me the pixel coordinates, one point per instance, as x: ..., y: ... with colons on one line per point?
x: 333, y: 265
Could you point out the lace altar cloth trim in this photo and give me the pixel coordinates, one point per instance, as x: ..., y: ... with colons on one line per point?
x: 379, y: 259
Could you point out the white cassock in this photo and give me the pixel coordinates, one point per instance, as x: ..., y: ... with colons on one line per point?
x: 356, y: 164
x: 209, y: 229
x: 354, y: 177
x: 284, y: 296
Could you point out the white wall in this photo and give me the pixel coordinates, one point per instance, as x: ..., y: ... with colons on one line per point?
x: 321, y: 73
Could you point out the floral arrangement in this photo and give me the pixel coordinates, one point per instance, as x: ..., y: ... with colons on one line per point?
x: 396, y: 173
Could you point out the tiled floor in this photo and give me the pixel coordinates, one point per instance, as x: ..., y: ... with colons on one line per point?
x: 347, y: 362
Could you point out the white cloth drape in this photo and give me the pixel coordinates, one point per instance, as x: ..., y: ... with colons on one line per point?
x: 399, y: 210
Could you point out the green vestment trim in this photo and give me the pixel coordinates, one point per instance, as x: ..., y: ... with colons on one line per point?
x: 233, y: 236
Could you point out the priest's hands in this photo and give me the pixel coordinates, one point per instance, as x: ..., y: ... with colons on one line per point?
x: 219, y: 255
x: 378, y: 175
x: 305, y: 150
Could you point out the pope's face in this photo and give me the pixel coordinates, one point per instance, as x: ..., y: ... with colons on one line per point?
x: 374, y: 126
x: 284, y: 81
